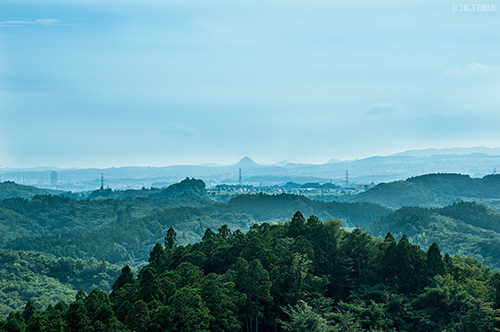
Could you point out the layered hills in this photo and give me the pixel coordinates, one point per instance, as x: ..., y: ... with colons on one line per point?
x: 435, y: 190
x: 477, y: 162
x: 464, y: 228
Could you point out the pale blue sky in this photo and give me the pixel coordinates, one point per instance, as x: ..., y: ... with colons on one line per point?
x: 87, y: 84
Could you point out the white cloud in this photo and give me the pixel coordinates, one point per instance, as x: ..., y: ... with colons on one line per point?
x: 40, y: 22
x: 384, y: 108
x: 179, y: 129
x: 472, y: 69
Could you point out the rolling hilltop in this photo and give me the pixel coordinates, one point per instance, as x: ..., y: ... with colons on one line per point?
x: 464, y: 228
x: 435, y: 190
x: 9, y: 189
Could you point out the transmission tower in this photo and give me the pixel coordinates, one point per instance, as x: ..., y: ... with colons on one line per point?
x: 239, y: 177
x: 346, y: 178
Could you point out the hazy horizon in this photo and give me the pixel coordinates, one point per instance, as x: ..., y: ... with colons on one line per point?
x: 157, y: 83
x: 492, y: 151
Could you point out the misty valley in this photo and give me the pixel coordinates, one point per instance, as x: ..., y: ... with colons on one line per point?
x: 253, y: 166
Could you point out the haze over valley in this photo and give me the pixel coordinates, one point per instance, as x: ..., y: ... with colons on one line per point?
x: 476, y: 162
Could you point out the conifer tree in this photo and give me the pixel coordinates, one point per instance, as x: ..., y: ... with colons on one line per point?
x: 126, y: 277
x: 171, y: 239
x: 435, y: 264
x: 296, y: 224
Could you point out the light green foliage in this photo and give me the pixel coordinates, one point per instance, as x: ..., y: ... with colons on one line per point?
x: 46, y: 279
x: 304, y: 318
x: 448, y: 306
x: 464, y: 228
x: 301, y: 265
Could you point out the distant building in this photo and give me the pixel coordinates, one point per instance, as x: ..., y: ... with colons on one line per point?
x: 53, y: 178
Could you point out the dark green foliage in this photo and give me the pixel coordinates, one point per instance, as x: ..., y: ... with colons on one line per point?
x: 129, y: 243
x: 13, y: 323
x: 473, y: 214
x: 158, y: 258
x: 171, y: 239
x: 296, y: 224
x: 265, y: 207
x: 77, y: 317
x: 434, y: 190
x: 302, y: 276
x: 462, y: 228
x: 125, y: 278
x: 149, y: 285
x: 29, y: 311
x: 186, y: 186
x: 190, y: 313
x: 9, y: 189
x: 223, y: 301
x: 435, y: 263
x: 121, y: 231
x: 46, y: 215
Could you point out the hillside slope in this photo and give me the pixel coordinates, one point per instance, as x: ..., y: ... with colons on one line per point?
x: 123, y: 237
x: 435, y: 190
x: 301, y: 275
x: 462, y: 228
x: 9, y: 189
x: 46, y: 279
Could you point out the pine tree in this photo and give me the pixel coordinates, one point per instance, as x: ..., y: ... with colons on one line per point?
x: 29, y: 311
x: 158, y: 258
x: 296, y: 224
x: 171, y: 239
x: 435, y: 264
x: 125, y: 278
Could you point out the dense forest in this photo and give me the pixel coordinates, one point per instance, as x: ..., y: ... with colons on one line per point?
x: 9, y: 189
x: 185, y: 187
x: 122, y: 229
x: 463, y: 228
x: 435, y: 190
x: 46, y: 279
x: 275, y: 275
x: 302, y: 275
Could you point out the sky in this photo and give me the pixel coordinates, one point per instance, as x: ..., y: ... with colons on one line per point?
x: 87, y: 83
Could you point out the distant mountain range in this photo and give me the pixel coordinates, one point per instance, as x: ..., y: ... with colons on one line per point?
x: 476, y: 162
x: 451, y: 151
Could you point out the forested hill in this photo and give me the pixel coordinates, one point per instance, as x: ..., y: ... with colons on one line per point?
x: 302, y: 275
x: 121, y: 231
x: 265, y: 207
x: 9, y: 189
x: 45, y: 215
x: 435, y: 190
x: 46, y: 279
x: 187, y: 186
x: 464, y: 228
